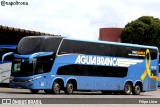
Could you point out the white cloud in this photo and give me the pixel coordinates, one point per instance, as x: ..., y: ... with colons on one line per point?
x: 76, y: 18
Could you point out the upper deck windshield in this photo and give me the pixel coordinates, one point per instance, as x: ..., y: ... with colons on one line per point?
x: 30, y: 45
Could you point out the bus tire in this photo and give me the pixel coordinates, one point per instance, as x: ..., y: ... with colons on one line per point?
x: 128, y: 88
x: 56, y: 88
x: 136, y: 89
x: 69, y: 88
x: 34, y: 91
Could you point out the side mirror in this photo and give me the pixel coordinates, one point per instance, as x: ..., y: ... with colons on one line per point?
x: 6, y: 54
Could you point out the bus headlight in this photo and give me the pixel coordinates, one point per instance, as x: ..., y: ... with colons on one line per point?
x: 32, y: 79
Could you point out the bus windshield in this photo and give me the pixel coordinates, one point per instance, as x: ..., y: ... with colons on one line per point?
x: 22, y: 67
x: 30, y: 45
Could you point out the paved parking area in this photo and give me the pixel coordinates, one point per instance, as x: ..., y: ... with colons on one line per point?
x: 78, y: 98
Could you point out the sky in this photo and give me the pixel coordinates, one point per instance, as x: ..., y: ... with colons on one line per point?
x: 75, y: 18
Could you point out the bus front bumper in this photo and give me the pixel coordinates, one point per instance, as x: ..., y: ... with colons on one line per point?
x: 29, y: 83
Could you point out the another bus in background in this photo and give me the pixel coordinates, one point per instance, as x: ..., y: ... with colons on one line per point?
x: 5, y: 67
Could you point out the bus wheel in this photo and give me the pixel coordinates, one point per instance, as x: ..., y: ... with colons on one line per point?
x: 48, y: 91
x: 56, y: 87
x: 69, y: 88
x: 136, y: 89
x: 127, y: 88
x: 34, y: 91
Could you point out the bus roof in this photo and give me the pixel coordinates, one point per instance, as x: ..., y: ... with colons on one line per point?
x: 96, y: 41
x: 114, y: 43
x: 44, y: 36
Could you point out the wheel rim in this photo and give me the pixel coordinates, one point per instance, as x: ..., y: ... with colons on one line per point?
x: 70, y: 88
x: 56, y: 88
x: 137, y: 89
x: 128, y: 89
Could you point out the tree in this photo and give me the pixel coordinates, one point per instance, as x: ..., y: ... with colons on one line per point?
x: 145, y: 30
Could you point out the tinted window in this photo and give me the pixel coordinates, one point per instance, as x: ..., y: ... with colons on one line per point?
x: 102, y: 49
x: 22, y: 68
x: 50, y: 44
x: 33, y: 44
x: 43, y: 64
x: 92, y: 70
x: 81, y: 47
x: 28, y: 45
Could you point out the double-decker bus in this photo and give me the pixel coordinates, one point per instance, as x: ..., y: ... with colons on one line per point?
x: 54, y: 63
x: 5, y: 67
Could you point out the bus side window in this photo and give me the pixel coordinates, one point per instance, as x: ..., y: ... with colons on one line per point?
x: 93, y: 71
x: 83, y: 70
x: 62, y: 70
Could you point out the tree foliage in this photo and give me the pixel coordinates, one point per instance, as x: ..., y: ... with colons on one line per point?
x: 145, y: 30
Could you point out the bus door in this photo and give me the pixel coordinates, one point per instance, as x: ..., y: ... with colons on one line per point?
x: 42, y: 69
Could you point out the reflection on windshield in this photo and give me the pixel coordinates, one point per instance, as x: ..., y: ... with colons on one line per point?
x: 29, y: 45
x: 33, y: 44
x: 21, y: 67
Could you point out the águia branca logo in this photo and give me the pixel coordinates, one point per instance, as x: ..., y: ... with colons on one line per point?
x: 105, y: 61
